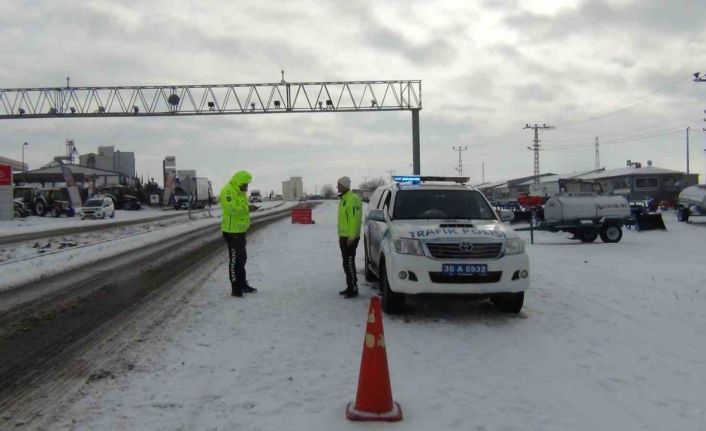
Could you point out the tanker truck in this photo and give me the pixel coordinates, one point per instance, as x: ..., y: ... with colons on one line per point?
x: 691, y: 203
x: 585, y: 217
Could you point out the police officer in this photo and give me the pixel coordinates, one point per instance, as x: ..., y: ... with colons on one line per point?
x: 350, y: 217
x: 234, y: 224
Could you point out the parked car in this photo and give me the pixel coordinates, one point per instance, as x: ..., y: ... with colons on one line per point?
x: 98, y: 207
x: 436, y: 235
x: 55, y: 201
x: 121, y: 199
x: 20, y: 209
x: 24, y: 194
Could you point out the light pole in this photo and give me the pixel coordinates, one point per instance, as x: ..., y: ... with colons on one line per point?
x: 24, y: 169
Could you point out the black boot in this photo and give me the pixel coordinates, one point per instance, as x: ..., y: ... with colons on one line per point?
x: 236, y: 291
x: 352, y: 293
x: 345, y: 291
x: 249, y: 289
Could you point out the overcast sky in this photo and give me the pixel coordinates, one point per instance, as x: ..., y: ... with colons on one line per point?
x: 617, y: 70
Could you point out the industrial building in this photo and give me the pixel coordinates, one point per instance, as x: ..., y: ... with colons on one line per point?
x: 292, y: 189
x: 108, y: 159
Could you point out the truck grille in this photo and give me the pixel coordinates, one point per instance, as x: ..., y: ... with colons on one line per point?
x: 489, y: 277
x: 455, y: 250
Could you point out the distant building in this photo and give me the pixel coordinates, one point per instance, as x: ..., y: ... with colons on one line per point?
x: 633, y: 182
x: 16, y: 165
x: 110, y: 160
x: 293, y: 189
x: 52, y: 176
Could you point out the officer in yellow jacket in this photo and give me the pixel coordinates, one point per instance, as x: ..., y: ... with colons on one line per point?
x: 350, y: 218
x: 234, y: 225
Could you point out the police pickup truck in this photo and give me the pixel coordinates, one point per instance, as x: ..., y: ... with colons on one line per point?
x: 437, y: 235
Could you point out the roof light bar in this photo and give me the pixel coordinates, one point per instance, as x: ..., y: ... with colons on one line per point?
x: 421, y: 179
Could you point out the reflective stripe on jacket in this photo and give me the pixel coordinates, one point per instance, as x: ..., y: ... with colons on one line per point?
x: 235, y: 205
x: 350, y: 215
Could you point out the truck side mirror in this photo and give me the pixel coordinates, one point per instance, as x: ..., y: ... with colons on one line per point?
x: 376, y: 215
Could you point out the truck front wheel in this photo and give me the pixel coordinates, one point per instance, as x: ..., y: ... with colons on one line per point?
x: 40, y: 209
x: 369, y: 276
x: 611, y: 233
x: 392, y: 302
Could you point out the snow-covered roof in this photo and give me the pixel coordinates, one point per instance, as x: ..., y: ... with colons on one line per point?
x: 550, y: 178
x: 627, y: 171
x: 74, y: 169
x: 491, y: 185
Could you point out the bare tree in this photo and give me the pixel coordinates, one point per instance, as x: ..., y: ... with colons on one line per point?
x: 328, y: 191
x: 372, y: 183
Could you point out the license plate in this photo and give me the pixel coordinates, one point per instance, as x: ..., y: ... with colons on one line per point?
x: 463, y: 269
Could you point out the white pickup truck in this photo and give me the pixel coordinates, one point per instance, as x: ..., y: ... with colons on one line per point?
x: 436, y: 235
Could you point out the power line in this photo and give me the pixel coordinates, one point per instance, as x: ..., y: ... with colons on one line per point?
x: 624, y: 141
x: 671, y: 87
x: 620, y: 138
x: 535, y: 147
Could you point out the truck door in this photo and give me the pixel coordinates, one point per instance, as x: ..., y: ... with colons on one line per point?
x: 377, y: 229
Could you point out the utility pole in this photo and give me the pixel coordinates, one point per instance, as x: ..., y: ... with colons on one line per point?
x: 459, y: 169
x: 697, y: 78
x: 598, y: 158
x: 535, y: 147
x: 24, y: 168
x: 687, y: 150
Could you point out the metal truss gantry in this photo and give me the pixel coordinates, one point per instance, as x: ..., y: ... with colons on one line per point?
x: 220, y: 99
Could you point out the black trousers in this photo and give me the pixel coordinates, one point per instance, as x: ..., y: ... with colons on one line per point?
x: 237, y: 256
x: 348, y: 255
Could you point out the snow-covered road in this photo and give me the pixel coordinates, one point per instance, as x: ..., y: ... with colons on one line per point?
x: 612, y: 337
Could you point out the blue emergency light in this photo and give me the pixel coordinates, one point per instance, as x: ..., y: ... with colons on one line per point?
x: 411, y: 179
x: 416, y: 179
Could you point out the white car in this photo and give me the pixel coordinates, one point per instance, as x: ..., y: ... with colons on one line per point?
x: 436, y: 235
x: 98, y: 207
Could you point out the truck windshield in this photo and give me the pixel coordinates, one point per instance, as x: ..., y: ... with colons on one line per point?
x: 441, y: 204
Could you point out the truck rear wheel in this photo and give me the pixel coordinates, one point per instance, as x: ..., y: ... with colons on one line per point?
x: 588, y: 236
x: 611, y: 233
x: 127, y: 206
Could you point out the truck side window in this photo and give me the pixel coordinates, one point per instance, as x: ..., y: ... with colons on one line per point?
x: 386, y: 205
x: 377, y: 204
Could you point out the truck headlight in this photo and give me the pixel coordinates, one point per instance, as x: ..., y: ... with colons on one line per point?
x: 515, y: 246
x: 408, y: 246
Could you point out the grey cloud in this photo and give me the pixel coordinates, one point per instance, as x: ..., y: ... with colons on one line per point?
x: 438, y: 51
x: 662, y: 19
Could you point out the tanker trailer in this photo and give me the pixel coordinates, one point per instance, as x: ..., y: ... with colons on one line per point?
x: 586, y: 217
x: 692, y: 202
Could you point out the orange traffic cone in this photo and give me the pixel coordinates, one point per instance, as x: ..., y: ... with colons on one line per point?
x: 374, y: 399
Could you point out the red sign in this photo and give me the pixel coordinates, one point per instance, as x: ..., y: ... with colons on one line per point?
x: 5, y: 175
x: 301, y: 215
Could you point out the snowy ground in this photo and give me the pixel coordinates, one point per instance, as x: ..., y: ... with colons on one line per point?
x: 22, y: 263
x: 38, y: 224
x: 612, y: 337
